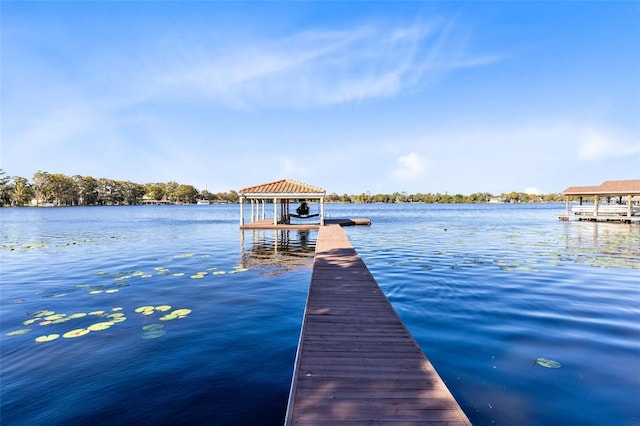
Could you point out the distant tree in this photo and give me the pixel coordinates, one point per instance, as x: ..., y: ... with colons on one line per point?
x: 551, y: 198
x: 185, y: 194
x: 23, y: 191
x: 458, y: 199
x: 171, y: 189
x: 332, y: 198
x: 132, y: 193
x: 206, y: 195
x: 232, y: 196
x: 155, y: 191
x: 6, y: 189
x: 42, y: 187
x: 63, y: 189
x: 87, y: 190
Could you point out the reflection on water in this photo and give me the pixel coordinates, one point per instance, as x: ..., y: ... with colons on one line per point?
x: 603, y: 244
x: 274, y: 252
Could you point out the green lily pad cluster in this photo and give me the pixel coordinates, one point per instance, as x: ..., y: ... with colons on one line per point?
x: 21, y: 245
x: 175, y: 314
x: 214, y: 271
x: 45, y: 317
x: 155, y: 330
x: 516, y: 265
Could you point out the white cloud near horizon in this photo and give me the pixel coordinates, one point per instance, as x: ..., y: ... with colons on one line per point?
x: 411, y: 167
x: 532, y: 191
x: 598, y: 146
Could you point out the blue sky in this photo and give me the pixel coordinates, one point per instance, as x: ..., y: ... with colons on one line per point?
x: 379, y: 97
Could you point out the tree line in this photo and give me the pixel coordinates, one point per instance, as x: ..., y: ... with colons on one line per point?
x: 478, y: 197
x: 60, y: 190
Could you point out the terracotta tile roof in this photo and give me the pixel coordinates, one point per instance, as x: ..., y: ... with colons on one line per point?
x: 282, y: 187
x: 610, y: 187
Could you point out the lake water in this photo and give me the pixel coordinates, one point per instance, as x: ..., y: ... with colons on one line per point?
x: 485, y: 290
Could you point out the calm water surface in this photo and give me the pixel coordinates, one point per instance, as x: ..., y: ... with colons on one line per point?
x: 484, y: 289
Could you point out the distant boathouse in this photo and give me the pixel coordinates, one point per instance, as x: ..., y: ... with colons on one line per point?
x: 612, y: 201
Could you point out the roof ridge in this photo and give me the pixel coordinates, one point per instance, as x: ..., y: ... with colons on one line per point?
x: 288, y: 186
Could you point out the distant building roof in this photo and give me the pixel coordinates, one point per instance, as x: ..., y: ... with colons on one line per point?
x: 610, y: 187
x: 284, y: 188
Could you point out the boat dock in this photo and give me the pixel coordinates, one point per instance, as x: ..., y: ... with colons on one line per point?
x: 268, y: 224
x: 356, y: 361
x: 613, y: 201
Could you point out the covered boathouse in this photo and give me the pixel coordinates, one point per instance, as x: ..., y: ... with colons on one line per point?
x: 613, y: 201
x: 281, y: 194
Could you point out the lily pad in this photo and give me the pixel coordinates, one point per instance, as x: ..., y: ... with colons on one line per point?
x: 112, y: 290
x: 153, y: 334
x: 78, y: 315
x: 181, y: 312
x: 548, y: 363
x: 177, y: 274
x: 163, y: 308
x: 54, y: 317
x: 144, y: 308
x: 168, y: 317
x: 118, y: 319
x: 99, y: 313
x: 47, y: 338
x: 18, y: 332
x: 95, y: 292
x: 116, y: 309
x: 154, y: 326
x: 75, y: 333
x: 100, y: 326
x: 30, y: 321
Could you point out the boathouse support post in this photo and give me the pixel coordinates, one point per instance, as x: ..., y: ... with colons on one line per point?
x: 241, y: 211
x: 263, y: 210
x: 629, y: 209
x: 253, y: 210
x: 566, y: 205
x: 257, y: 211
x: 275, y: 211
x: 322, y: 211
x: 595, y: 206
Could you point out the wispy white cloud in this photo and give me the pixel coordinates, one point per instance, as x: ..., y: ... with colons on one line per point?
x: 598, y: 146
x: 314, y: 68
x: 410, y: 167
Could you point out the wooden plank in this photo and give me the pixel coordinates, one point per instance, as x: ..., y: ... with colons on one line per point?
x: 357, y: 363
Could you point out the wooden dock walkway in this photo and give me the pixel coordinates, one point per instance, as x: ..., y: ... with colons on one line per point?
x: 356, y: 362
